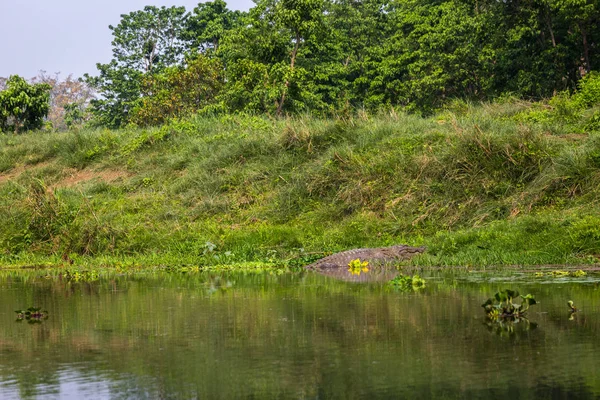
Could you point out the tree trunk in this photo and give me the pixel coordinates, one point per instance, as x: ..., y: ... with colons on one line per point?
x: 586, y: 50
x: 287, y: 82
x: 549, y: 23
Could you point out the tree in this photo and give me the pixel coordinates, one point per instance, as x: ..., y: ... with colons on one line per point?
x: 178, y: 91
x: 71, y: 92
x: 437, y: 52
x: 353, y: 51
x: 584, y: 16
x: 251, y: 53
x: 145, y: 42
x: 209, y: 23
x: 332, y: 56
x: 75, y: 115
x: 264, y: 56
x: 530, y: 51
x: 149, y: 39
x: 119, y: 90
x: 301, y: 18
x: 23, y: 106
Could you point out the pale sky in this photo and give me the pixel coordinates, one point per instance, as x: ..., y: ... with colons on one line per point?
x: 67, y: 36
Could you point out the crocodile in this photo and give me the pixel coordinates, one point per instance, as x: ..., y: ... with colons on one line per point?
x: 377, y: 255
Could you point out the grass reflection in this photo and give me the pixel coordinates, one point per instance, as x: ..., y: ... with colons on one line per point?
x: 299, y: 335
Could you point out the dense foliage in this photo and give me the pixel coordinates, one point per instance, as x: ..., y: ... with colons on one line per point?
x: 336, y: 56
x: 178, y: 91
x: 23, y: 106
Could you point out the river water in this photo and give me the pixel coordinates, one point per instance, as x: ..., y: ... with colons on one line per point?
x: 296, y: 335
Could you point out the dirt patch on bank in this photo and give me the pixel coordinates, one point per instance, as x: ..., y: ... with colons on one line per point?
x: 11, y: 174
x: 17, y: 171
x: 70, y: 177
x: 75, y: 177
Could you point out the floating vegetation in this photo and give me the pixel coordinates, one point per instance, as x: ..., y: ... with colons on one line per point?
x: 356, y: 267
x: 407, y: 283
x: 81, y: 275
x: 32, y: 315
x: 501, y: 306
x: 506, y: 318
x: 561, y: 274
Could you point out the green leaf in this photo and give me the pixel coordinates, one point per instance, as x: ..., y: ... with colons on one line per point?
x: 531, y: 301
x: 501, y: 296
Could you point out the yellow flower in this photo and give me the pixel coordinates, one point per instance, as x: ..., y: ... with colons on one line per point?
x: 355, y: 267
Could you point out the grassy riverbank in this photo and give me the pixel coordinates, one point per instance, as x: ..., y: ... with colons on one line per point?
x: 485, y: 185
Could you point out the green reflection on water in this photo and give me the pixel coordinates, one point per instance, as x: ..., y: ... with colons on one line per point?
x: 300, y: 335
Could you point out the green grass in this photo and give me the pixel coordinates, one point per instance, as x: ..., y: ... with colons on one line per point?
x: 478, y: 185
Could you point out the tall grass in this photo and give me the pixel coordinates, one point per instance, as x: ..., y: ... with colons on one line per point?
x: 477, y: 185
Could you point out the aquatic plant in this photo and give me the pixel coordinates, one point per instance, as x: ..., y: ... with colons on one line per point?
x: 32, y: 315
x: 355, y: 267
x: 501, y: 306
x: 407, y: 282
x: 81, y: 275
x: 562, y: 273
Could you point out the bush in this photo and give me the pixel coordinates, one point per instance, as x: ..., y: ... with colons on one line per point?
x: 23, y: 106
x: 588, y: 93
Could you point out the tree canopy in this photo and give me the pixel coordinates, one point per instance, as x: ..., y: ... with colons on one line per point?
x: 336, y: 56
x: 23, y: 106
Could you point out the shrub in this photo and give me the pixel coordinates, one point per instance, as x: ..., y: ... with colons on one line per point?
x: 23, y: 106
x: 588, y: 93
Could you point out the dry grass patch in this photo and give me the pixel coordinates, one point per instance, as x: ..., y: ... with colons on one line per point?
x: 74, y: 177
x: 16, y: 172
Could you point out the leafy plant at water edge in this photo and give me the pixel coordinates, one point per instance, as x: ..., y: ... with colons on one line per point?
x: 304, y: 259
x: 501, y: 306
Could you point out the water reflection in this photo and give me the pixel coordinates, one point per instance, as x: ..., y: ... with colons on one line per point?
x: 291, y: 336
x: 510, y: 328
x: 369, y: 274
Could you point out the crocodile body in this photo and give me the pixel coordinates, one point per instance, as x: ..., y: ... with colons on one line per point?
x: 378, y: 255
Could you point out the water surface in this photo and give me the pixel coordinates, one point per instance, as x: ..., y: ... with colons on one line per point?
x: 295, y: 335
